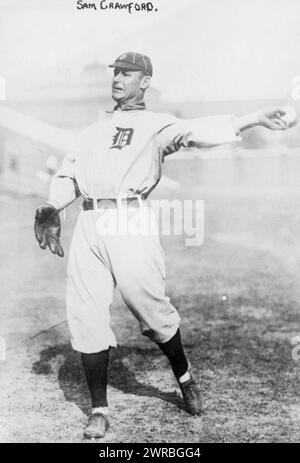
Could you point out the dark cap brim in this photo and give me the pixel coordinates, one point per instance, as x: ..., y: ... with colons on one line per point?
x: 128, y: 66
x: 123, y: 65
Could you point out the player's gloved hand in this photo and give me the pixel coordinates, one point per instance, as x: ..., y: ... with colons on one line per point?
x: 47, y: 228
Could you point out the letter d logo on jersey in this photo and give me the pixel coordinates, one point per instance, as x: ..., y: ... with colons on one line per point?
x: 122, y: 138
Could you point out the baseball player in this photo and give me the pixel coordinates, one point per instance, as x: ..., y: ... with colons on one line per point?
x: 115, y: 165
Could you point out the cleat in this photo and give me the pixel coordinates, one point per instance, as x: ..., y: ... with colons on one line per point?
x: 96, y: 427
x: 192, y: 396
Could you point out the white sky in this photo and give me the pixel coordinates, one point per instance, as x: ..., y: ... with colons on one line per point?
x: 201, y: 49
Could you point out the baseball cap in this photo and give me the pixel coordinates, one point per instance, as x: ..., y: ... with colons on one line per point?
x: 133, y: 62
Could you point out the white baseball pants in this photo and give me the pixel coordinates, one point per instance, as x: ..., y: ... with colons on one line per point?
x: 107, y: 251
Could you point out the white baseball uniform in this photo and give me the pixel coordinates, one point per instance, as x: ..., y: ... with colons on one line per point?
x: 122, y: 155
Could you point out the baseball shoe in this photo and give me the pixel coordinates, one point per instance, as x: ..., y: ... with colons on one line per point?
x: 96, y: 427
x: 192, y: 396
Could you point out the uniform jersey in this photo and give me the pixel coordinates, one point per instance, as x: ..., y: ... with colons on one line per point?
x: 123, y: 153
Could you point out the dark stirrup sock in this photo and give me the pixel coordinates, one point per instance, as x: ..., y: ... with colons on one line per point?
x: 96, y: 371
x: 174, y: 351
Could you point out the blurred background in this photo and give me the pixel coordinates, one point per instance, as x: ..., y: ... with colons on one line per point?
x: 209, y: 57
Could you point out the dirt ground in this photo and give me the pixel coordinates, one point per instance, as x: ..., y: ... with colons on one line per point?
x: 238, y: 296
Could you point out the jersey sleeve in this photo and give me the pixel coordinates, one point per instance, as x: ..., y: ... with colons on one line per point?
x: 63, y: 186
x: 203, y: 132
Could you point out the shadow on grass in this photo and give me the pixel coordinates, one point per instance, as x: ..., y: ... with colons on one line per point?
x: 72, y: 381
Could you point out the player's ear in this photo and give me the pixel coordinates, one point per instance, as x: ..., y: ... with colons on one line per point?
x: 145, y: 82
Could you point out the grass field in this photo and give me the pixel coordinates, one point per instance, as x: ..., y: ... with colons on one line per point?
x: 240, y: 344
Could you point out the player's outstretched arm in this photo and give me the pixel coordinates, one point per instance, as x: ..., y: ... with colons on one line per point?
x: 207, y: 132
x: 271, y: 118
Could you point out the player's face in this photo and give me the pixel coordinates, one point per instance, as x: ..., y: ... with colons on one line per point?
x: 127, y: 85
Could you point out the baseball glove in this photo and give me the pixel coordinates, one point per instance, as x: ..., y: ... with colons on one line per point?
x: 47, y: 228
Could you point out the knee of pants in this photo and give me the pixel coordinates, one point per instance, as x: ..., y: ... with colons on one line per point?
x: 158, y: 318
x: 89, y: 336
x: 162, y: 333
x: 88, y: 315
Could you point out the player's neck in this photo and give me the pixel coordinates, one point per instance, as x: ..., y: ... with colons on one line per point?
x: 129, y: 105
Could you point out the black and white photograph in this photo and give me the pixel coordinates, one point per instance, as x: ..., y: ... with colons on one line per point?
x: 150, y: 224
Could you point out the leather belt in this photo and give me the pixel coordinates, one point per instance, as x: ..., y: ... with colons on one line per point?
x: 89, y: 204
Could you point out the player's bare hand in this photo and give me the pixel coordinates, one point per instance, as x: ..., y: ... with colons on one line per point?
x: 273, y: 119
x: 47, y: 229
